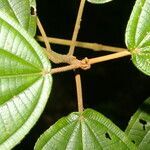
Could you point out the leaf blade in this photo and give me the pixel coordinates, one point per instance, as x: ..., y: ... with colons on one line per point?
x: 138, y: 128
x: 137, y: 35
x: 20, y: 10
x: 99, y: 1
x: 90, y: 130
x: 25, y: 82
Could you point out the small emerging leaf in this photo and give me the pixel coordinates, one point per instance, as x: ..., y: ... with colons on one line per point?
x: 139, y: 126
x: 23, y: 11
x: 25, y: 82
x: 99, y: 1
x: 138, y: 35
x: 89, y: 130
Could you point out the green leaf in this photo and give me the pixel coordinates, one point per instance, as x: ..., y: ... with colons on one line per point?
x: 89, y: 130
x: 25, y: 82
x: 21, y: 10
x: 138, y: 35
x: 138, y: 129
x: 99, y: 1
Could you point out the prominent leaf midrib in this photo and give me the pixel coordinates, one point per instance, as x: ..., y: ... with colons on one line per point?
x: 25, y: 119
x: 115, y: 131
x: 101, y: 134
x: 94, y: 135
x: 67, y: 125
x: 86, y: 131
x: 147, y: 35
x: 74, y: 128
x: 23, y: 75
x: 103, y: 125
x: 132, y: 27
x: 23, y: 34
x: 132, y: 132
x: 20, y: 11
x: 24, y: 83
x: 137, y: 42
x: 144, y: 138
x: 81, y: 135
x: 128, y: 130
x: 24, y: 88
x: 132, y: 128
x: 16, y: 16
x: 11, y: 8
x: 112, y: 130
x: 19, y: 59
x: 93, y: 130
x: 138, y: 23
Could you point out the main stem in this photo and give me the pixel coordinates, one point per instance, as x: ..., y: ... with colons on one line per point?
x: 86, y: 45
x: 92, y: 61
x: 79, y: 91
x: 77, y: 27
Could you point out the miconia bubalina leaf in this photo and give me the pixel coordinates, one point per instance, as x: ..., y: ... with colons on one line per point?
x: 23, y: 11
x: 138, y: 35
x: 99, y: 1
x: 139, y: 126
x: 25, y: 82
x: 89, y: 130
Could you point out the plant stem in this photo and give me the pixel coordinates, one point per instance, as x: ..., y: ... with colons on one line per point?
x: 45, y: 39
x: 87, y: 45
x: 53, y: 56
x: 48, y: 50
x: 64, y: 69
x: 109, y: 57
x: 79, y: 91
x: 91, y: 61
x: 77, y: 27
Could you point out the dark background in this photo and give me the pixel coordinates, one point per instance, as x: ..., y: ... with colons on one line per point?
x: 114, y: 88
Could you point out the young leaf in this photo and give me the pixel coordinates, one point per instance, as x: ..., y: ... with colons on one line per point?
x: 25, y: 82
x: 89, y: 130
x: 138, y: 35
x: 139, y: 126
x: 23, y: 11
x: 99, y: 1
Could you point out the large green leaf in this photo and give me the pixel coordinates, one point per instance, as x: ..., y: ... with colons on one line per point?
x: 99, y: 1
x: 89, y: 130
x: 139, y: 126
x: 22, y: 11
x: 25, y: 82
x: 138, y: 35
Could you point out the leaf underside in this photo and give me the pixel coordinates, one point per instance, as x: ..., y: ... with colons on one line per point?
x: 84, y: 131
x: 138, y: 35
x: 99, y: 1
x: 25, y: 82
x: 23, y: 11
x: 138, y: 129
